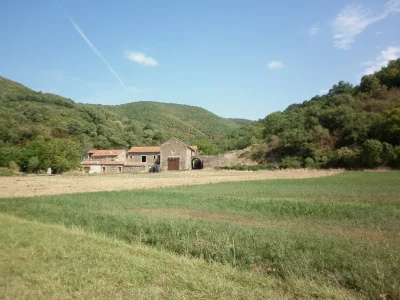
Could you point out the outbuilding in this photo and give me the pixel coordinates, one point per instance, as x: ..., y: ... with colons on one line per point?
x: 176, y: 155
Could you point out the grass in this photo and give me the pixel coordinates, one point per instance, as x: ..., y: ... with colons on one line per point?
x: 45, y: 261
x: 325, y: 237
x: 7, y: 172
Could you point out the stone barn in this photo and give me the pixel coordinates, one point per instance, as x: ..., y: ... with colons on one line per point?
x: 176, y: 155
x: 146, y: 156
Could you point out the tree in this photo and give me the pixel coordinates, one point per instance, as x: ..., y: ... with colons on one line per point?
x: 371, y: 151
x: 389, y: 129
x: 33, y: 164
x: 207, y: 148
x: 388, y: 155
x: 390, y: 75
x: 62, y: 155
x: 341, y: 88
x: 371, y: 84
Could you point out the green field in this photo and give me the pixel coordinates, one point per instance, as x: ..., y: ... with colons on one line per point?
x: 333, y: 237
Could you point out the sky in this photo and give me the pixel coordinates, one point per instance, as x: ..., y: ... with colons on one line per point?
x: 237, y: 59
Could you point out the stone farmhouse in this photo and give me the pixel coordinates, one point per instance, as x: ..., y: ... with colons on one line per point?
x: 173, y: 155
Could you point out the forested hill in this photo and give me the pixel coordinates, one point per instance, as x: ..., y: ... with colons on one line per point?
x: 27, y: 115
x: 187, y: 122
x: 351, y: 126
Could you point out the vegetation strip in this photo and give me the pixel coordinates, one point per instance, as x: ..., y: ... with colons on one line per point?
x: 291, y: 225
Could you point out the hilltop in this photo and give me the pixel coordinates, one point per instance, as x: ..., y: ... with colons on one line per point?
x: 27, y: 115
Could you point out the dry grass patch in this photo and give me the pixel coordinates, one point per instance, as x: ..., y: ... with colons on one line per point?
x: 28, y: 186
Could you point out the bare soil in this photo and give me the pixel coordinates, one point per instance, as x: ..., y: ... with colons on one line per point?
x: 25, y: 186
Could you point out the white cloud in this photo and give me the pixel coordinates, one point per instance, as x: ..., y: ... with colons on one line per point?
x: 94, y: 49
x: 323, y: 91
x: 141, y: 58
x: 313, y: 31
x: 275, y: 64
x: 390, y: 53
x: 353, y: 19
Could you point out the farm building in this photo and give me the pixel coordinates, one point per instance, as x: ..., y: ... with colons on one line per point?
x: 176, y: 155
x: 110, y: 161
x: 109, y: 155
x: 147, y: 156
x: 170, y: 156
x: 112, y: 167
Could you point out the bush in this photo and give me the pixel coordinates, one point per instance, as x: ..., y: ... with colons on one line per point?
x: 371, y: 151
x: 291, y: 162
x: 347, y: 158
x: 13, y: 165
x: 6, y: 172
x: 309, y: 163
x: 388, y: 155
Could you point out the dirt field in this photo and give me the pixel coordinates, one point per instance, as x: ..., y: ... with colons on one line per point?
x: 25, y: 186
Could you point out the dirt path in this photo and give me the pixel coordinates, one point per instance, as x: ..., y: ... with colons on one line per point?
x: 26, y: 186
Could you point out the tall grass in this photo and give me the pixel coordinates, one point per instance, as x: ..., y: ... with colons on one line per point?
x: 281, y: 228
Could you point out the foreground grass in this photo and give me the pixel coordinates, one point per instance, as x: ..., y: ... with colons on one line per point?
x: 42, y: 261
x: 339, y: 231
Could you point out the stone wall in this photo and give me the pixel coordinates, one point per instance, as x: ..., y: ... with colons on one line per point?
x: 151, y: 158
x: 211, y: 161
x: 135, y: 169
x: 113, y: 169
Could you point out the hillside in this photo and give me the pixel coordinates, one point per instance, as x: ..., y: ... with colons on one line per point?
x: 349, y: 127
x: 185, y: 121
x: 27, y: 115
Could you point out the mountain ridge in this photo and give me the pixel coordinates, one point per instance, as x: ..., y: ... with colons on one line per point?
x: 49, y: 116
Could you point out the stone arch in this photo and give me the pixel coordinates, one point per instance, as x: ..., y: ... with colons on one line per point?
x: 197, y: 164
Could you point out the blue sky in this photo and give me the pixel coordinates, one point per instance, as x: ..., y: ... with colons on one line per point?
x: 238, y: 59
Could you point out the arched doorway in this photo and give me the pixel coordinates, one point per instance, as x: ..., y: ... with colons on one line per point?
x: 197, y: 164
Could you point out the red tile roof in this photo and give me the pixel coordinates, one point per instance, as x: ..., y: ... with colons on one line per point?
x: 102, y: 162
x: 153, y: 149
x: 106, y: 152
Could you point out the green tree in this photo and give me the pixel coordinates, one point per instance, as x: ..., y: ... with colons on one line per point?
x: 62, y: 155
x: 388, y: 155
x: 341, y: 88
x: 207, y: 148
x: 33, y: 164
x: 371, y: 151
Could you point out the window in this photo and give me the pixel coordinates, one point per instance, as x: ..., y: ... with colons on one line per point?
x: 144, y: 158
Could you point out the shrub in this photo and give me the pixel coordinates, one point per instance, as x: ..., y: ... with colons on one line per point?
x: 371, y: 151
x: 309, y: 163
x: 388, y: 155
x: 291, y: 162
x: 347, y: 158
x: 13, y: 165
x: 6, y: 172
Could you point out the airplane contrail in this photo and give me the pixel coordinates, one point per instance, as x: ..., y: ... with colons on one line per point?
x: 94, y: 49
